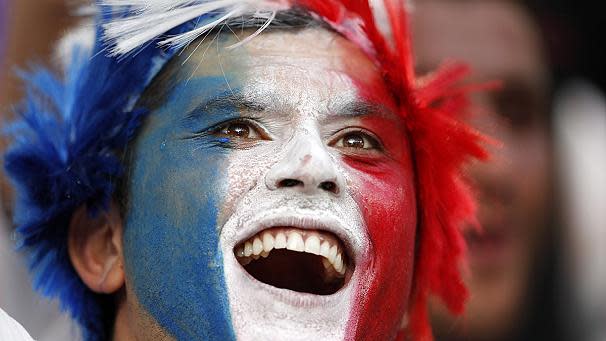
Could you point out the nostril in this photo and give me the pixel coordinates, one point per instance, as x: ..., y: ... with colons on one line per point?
x: 329, y: 186
x: 290, y: 183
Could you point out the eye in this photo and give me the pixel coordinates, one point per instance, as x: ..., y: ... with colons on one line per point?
x: 357, y: 140
x: 241, y: 129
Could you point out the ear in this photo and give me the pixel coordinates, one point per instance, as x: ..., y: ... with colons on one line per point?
x: 95, y: 249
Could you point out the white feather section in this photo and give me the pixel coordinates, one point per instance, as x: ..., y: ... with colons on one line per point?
x: 148, y: 5
x: 184, y: 39
x: 150, y: 19
x: 270, y: 18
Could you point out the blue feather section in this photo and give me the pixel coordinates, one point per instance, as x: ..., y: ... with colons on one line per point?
x: 68, y: 138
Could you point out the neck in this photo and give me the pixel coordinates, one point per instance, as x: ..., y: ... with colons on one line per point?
x: 133, y: 323
x: 122, y: 329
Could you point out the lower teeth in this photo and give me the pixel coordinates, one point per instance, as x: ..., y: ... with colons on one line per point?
x: 297, y: 271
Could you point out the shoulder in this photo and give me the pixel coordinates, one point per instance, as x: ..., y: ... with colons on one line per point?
x: 11, y: 329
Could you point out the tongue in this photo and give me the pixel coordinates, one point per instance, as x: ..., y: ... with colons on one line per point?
x: 297, y: 271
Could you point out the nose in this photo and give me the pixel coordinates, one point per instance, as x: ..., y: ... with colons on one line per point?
x: 307, y: 167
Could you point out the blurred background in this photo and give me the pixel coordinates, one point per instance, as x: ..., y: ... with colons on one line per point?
x: 537, y: 271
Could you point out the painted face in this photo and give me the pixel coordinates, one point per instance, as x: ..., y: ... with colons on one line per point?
x: 272, y: 195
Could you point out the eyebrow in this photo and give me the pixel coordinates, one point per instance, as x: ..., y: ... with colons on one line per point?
x: 359, y: 108
x: 221, y: 102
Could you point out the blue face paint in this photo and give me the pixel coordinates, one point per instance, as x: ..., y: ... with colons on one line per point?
x: 171, y: 240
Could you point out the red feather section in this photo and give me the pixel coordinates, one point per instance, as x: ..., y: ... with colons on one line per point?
x: 441, y: 145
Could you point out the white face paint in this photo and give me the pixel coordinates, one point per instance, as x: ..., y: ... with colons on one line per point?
x: 302, y: 86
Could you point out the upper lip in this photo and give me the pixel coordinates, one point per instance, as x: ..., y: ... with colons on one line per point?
x: 354, y: 247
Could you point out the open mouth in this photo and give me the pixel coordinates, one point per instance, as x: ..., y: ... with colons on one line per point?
x: 307, y: 261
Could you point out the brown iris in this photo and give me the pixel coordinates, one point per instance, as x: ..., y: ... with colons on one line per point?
x: 240, y: 130
x: 354, y: 140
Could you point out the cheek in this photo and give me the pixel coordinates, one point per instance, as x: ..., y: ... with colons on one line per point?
x: 245, y: 170
x: 171, y: 245
x: 389, y: 208
x: 386, y: 195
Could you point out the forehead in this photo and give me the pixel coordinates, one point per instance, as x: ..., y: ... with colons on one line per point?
x: 319, y: 47
x: 496, y: 38
x: 283, y: 62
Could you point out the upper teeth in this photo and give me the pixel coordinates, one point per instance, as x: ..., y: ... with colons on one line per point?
x: 315, y: 242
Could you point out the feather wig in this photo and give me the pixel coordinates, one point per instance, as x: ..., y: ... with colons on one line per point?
x: 73, y: 128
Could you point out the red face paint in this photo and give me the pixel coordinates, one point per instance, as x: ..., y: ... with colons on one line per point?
x: 388, y: 201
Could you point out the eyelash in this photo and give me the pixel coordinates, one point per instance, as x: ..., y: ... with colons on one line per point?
x: 375, y: 142
x: 256, y: 127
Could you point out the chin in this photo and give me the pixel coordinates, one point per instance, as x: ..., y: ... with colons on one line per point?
x: 292, y: 267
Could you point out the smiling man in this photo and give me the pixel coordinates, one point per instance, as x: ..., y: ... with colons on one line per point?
x: 216, y: 170
x: 266, y: 155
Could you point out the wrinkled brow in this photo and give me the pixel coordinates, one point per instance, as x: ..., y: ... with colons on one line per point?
x: 235, y: 101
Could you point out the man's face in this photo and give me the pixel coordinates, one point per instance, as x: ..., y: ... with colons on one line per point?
x: 500, y: 43
x: 271, y: 195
